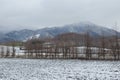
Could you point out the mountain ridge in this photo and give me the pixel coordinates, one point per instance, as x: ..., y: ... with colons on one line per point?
x: 82, y: 27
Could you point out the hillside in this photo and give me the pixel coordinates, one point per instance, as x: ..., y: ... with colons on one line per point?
x: 82, y: 27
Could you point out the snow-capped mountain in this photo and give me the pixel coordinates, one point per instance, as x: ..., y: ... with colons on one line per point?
x: 81, y: 27
x: 20, y: 35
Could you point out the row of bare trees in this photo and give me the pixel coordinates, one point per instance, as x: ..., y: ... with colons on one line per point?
x: 7, y: 52
x: 62, y: 46
x: 66, y: 46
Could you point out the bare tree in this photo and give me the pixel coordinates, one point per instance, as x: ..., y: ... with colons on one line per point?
x: 13, y: 49
x: 2, y: 51
x: 102, y: 48
x: 115, y: 45
x: 7, y: 52
x: 88, y: 46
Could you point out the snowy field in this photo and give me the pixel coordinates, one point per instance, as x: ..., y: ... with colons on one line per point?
x: 40, y: 69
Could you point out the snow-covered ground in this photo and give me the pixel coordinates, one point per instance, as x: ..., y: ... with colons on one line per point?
x: 40, y: 69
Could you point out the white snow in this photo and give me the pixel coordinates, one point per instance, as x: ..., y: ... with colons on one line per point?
x: 37, y: 35
x: 40, y: 69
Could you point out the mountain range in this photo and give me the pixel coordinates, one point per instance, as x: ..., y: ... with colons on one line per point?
x: 82, y: 27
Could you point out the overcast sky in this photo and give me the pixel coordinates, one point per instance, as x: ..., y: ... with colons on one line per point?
x: 35, y: 14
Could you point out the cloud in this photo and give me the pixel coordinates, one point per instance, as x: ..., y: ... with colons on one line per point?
x: 35, y: 14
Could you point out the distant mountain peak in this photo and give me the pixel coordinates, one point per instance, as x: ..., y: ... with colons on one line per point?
x: 81, y: 27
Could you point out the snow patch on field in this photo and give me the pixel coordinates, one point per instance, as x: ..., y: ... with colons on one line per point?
x: 35, y: 69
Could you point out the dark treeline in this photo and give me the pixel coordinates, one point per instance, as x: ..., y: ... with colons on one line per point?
x: 69, y: 46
